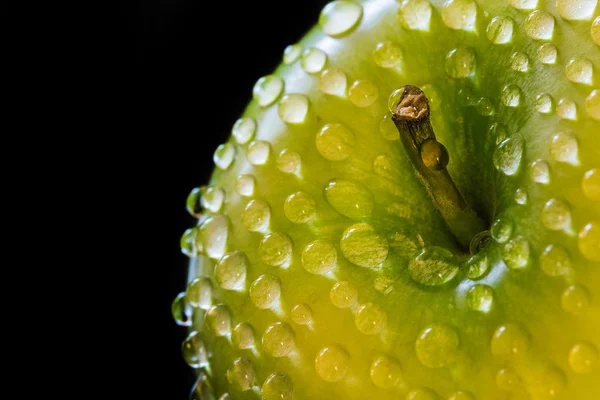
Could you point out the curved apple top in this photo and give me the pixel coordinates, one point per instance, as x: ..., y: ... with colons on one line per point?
x: 322, y: 269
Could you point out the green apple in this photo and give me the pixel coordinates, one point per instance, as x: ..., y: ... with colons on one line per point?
x: 343, y: 252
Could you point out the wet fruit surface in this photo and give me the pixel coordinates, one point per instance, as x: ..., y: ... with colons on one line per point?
x: 321, y: 269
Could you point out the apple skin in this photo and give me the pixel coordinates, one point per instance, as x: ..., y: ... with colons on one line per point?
x: 420, y: 327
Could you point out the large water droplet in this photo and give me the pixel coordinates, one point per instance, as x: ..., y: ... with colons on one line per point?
x: 385, y: 372
x: 363, y: 93
x: 370, y: 319
x: 583, y: 358
x: 267, y: 90
x: 319, y: 257
x: 193, y: 350
x: 539, y: 25
x: 387, y: 54
x: 291, y: 53
x: 242, y: 374
x: 244, y: 185
x: 485, y: 107
x: 547, y: 54
x: 415, y: 14
x: 335, y: 142
x: 293, y: 108
x: 556, y: 215
x: 199, y: 293
x: 265, y: 291
x: 595, y: 31
x: 589, y: 241
x: 592, y: 104
x: 460, y: 14
x: 576, y: 9
x: 590, y: 184
x: 480, y: 298
x: 224, y: 155
x: 288, y: 161
x: 201, y: 389
x: 340, y: 17
x: 230, y: 272
x: 212, y: 198
x: 181, y: 310
x: 579, y: 70
x: 509, y: 342
x: 275, y: 249
x: 301, y: 314
x: 243, y: 336
x: 278, y: 339
x: 258, y: 152
x: 575, y: 299
x: 500, y: 30
x: 502, y: 229
x: 515, y: 253
x: 550, y: 384
x: 511, y: 96
x: 343, y: 294
x: 564, y: 148
x: 243, y: 130
x: 363, y: 246
x: 350, y: 199
x: 524, y: 4
x: 218, y: 319
x: 277, y: 386
x: 508, y: 154
x: 313, y: 60
x: 477, y: 265
x: 460, y: 62
x: 192, y: 203
x: 299, y: 207
x: 213, y: 235
x: 519, y: 62
x: 334, y: 82
x: 555, y: 261
x: 543, y: 103
x: 256, y: 216
x: 540, y: 172
x: 434, y: 266
x: 437, y: 345
x: 508, y: 380
x: 332, y: 363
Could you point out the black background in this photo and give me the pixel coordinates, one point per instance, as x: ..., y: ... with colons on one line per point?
x: 195, y: 65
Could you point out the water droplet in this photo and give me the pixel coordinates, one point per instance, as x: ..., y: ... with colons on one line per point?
x: 592, y: 104
x: 213, y: 235
x: 507, y: 379
x: 519, y: 62
x: 465, y: 97
x: 590, y: 185
x: 313, y: 60
x: 509, y: 342
x: 434, y: 266
x: 575, y: 299
x: 460, y: 14
x: 340, y: 17
x: 199, y: 293
x: 334, y: 82
x: 540, y: 172
x: 267, y: 90
x: 301, y: 314
x: 319, y: 257
x: 192, y: 204
x: 385, y: 372
x: 278, y: 386
x: 242, y: 373
x: 485, y: 107
x: 555, y: 261
x: 224, y: 396
x: 550, y: 384
x: 299, y: 207
x: 460, y: 62
x: 521, y: 196
x: 245, y: 185
x: 515, y: 253
x: 500, y: 30
x: 218, y: 319
x: 567, y: 109
x: 293, y: 108
x: 477, y: 265
x: 524, y: 4
x: 332, y: 363
x: 243, y: 130
x: 370, y: 319
x: 415, y: 14
x: 243, y: 336
x: 511, y: 96
x: 258, y: 152
x: 265, y: 291
x: 579, y: 70
x: 595, y: 31
x: 275, y: 249
x: 224, y: 155
x: 193, y: 350
x: 498, y: 130
x: 212, y: 198
x: 230, y: 272
x: 288, y: 161
x: 181, y: 310
x: 583, y: 358
x: 388, y: 129
x: 343, y: 294
x: 350, y: 199
x: 437, y: 345
x: 335, y: 142
x: 363, y: 246
x: 422, y: 394
x: 508, y: 154
x: 547, y: 54
x: 544, y: 103
x: 278, y: 339
x: 564, y: 148
x: 291, y: 53
x: 576, y: 10
x: 539, y: 25
x: 387, y: 54
x: 589, y: 241
x: 201, y: 389
x: 461, y: 396
x: 363, y: 93
x: 394, y: 99
x: 556, y: 215
x: 256, y: 216
x: 480, y: 298
x: 502, y: 230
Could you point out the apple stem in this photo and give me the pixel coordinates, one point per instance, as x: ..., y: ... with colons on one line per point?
x: 430, y: 158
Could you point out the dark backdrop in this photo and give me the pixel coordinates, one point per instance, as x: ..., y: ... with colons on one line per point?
x: 195, y: 64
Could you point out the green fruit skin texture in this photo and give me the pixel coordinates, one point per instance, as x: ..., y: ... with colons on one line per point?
x: 329, y: 251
